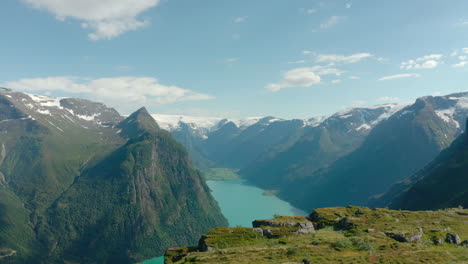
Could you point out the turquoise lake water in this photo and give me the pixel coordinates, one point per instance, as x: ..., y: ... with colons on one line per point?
x: 241, y: 204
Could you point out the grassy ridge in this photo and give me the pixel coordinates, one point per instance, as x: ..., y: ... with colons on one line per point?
x: 344, y: 235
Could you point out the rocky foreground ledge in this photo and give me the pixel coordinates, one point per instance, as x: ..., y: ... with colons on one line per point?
x: 337, y: 235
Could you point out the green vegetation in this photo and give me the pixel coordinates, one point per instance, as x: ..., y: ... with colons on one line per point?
x: 72, y: 191
x: 347, y: 235
x: 221, y: 174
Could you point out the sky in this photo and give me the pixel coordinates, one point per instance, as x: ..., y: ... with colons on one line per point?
x: 243, y: 58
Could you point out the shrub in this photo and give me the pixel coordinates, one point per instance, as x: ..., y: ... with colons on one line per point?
x: 362, y: 244
x: 316, y: 242
x: 342, y: 243
x: 292, y: 251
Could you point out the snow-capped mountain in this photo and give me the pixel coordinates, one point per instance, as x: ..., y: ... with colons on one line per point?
x: 60, y: 113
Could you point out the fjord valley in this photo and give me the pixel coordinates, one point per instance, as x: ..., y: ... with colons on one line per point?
x: 79, y: 183
x: 217, y: 131
x: 350, y: 157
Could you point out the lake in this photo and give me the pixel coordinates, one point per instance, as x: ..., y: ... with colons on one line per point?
x: 241, y: 204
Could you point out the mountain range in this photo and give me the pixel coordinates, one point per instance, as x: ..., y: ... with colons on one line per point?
x: 345, y: 158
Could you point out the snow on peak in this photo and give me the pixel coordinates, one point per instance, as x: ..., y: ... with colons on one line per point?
x: 243, y: 123
x: 460, y: 104
x: 46, y: 101
x: 172, y: 122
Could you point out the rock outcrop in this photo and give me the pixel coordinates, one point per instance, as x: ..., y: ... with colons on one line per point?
x: 404, y: 237
x: 453, y: 238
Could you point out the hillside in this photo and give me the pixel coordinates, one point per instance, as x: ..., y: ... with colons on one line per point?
x: 441, y: 184
x: 338, y: 235
x: 77, y: 182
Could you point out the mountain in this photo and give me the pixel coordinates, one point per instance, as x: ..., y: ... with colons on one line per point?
x: 395, y: 148
x: 80, y: 183
x: 319, y: 146
x: 441, y: 184
x: 337, y: 235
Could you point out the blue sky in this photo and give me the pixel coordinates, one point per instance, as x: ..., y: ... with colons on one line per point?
x: 285, y: 58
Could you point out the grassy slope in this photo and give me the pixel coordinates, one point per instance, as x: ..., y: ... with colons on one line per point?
x: 337, y: 243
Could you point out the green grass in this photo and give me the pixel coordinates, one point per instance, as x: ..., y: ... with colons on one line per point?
x: 221, y: 174
x: 361, y: 241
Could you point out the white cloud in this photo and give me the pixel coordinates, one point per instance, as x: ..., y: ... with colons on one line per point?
x: 399, y: 76
x: 425, y: 62
x: 300, y: 77
x: 119, y: 91
x: 460, y: 64
x: 463, y: 22
x: 303, y: 77
x: 349, y: 5
x: 311, y: 11
x: 336, y: 81
x: 463, y: 59
x: 333, y: 58
x: 106, y: 18
x: 240, y: 19
x: 389, y: 99
x: 332, y: 21
x: 307, y: 52
x: 354, y: 77
x: 296, y: 62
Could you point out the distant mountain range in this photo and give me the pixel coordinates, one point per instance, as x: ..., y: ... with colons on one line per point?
x: 81, y: 184
x: 342, y: 159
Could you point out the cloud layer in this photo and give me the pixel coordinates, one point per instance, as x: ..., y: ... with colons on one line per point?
x: 106, y: 18
x: 128, y: 91
x: 400, y: 76
x: 333, y: 58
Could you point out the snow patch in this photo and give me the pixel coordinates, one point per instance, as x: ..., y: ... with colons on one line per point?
x: 46, y: 101
x: 363, y: 126
x: 44, y: 112
x: 345, y: 116
x: 88, y: 118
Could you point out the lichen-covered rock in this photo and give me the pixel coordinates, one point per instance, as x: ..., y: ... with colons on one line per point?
x: 438, y: 241
x: 404, y: 237
x: 284, y: 225
x: 258, y: 230
x: 453, y: 238
x: 464, y: 243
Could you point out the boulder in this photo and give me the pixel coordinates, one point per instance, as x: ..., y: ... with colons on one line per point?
x: 202, y: 246
x: 296, y: 225
x: 438, y: 241
x: 453, y: 238
x: 404, y: 237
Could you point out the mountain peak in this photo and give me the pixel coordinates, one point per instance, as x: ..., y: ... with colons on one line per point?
x: 137, y: 123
